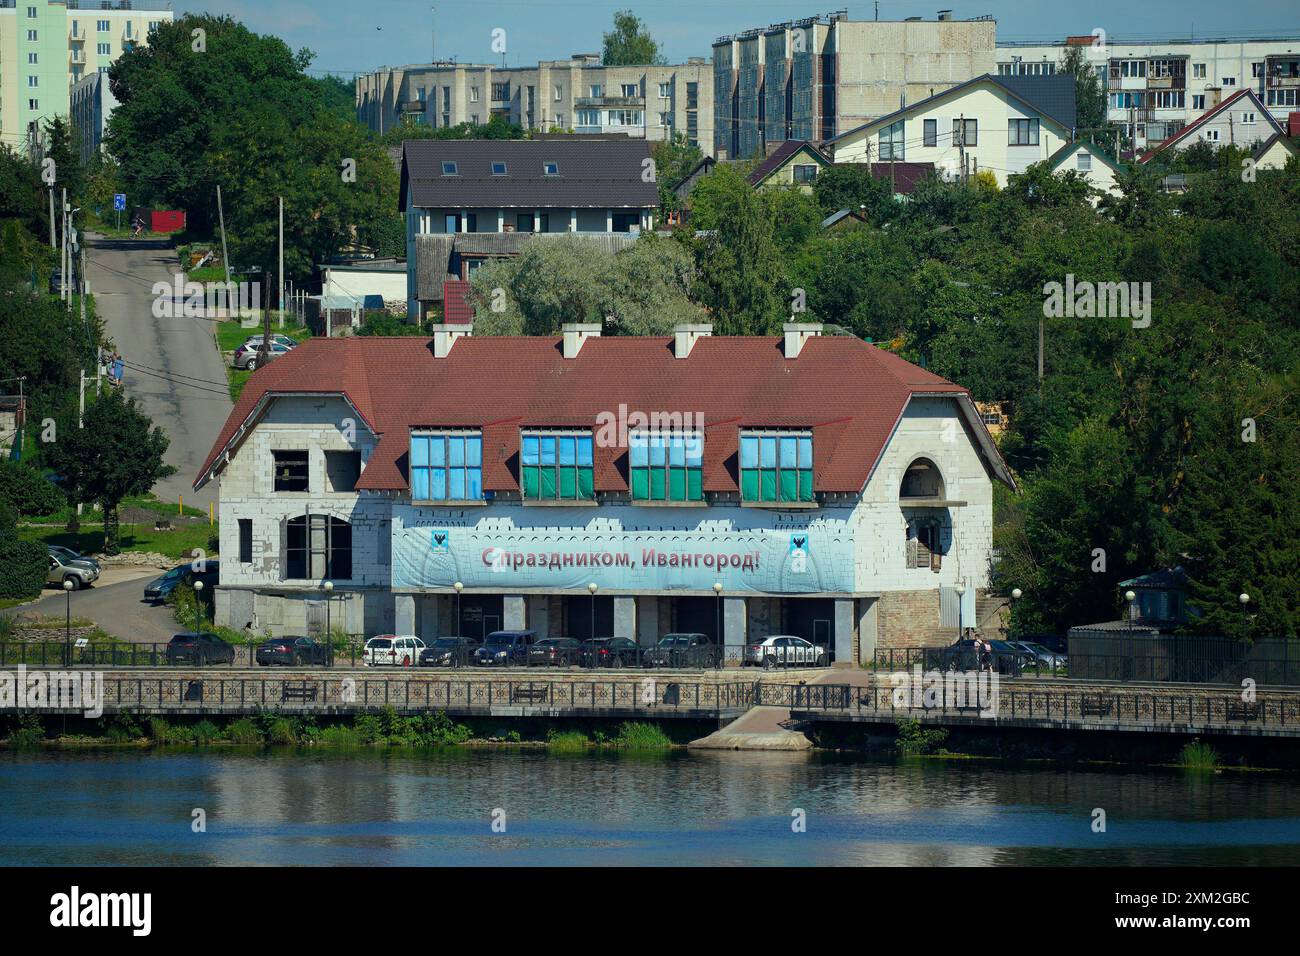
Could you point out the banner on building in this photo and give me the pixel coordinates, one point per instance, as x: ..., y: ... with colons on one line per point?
x: 816, y: 556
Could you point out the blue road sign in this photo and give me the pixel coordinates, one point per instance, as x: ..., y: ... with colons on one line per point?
x: 119, y: 201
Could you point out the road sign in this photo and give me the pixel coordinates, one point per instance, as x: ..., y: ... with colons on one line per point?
x: 119, y: 201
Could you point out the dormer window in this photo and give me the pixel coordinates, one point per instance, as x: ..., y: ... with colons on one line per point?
x: 449, y: 169
x: 446, y: 466
x: 776, y: 466
x: 551, y: 169
x: 556, y: 465
x: 498, y: 169
x: 666, y: 466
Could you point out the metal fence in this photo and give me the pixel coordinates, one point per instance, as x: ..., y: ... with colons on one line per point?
x: 1007, y: 664
x: 1138, y: 709
x: 232, y: 694
x: 1189, y: 659
x: 536, y: 657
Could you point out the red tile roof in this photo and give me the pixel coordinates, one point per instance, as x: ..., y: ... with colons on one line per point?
x: 456, y: 309
x: 851, y: 393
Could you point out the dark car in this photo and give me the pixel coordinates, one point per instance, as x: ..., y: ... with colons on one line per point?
x: 681, y: 650
x: 292, y: 651
x: 969, y: 655
x: 449, y: 652
x: 609, y: 652
x: 200, y: 648
x: 505, y: 648
x: 162, y: 586
x: 554, y: 652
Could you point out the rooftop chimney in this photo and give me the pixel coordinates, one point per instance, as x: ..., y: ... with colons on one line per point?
x: 796, y: 334
x: 575, y: 333
x: 685, y: 337
x: 444, y: 336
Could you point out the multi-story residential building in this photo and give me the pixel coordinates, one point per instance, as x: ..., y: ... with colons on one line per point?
x: 596, y: 187
x: 579, y: 94
x: 815, y: 78
x: 90, y: 103
x: 739, y: 487
x: 1002, y: 124
x: 1155, y: 89
x: 48, y: 46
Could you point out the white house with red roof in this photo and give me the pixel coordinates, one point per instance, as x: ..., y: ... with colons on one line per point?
x: 1240, y: 120
x: 805, y: 484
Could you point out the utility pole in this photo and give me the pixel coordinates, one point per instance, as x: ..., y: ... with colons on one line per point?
x: 51, y: 216
x: 264, y: 350
x: 961, y: 145
x: 63, y: 250
x: 225, y: 257
x: 81, y: 413
x: 82, y: 247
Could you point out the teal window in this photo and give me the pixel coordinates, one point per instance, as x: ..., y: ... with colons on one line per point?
x: 446, y: 466
x: 666, y: 466
x: 556, y: 466
x: 776, y: 466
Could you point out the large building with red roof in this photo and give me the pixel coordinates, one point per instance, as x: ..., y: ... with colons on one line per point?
x: 805, y: 484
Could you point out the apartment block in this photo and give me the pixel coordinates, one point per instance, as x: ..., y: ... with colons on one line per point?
x: 48, y: 46
x: 815, y: 78
x: 1154, y: 90
x: 578, y: 94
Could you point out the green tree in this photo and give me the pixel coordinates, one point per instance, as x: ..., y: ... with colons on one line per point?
x: 851, y: 186
x: 630, y: 43
x: 1089, y: 97
x: 61, y: 146
x: 115, y: 455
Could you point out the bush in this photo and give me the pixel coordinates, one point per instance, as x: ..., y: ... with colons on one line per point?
x: 566, y: 741
x: 204, y: 732
x: 243, y: 731
x: 636, y: 736
x: 24, y: 566
x: 26, y: 732
x: 341, y: 737
x: 27, y: 491
x: 1198, y: 756
x: 913, y: 739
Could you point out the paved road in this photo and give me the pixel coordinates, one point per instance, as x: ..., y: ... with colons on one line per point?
x: 172, y: 364
x: 117, y: 608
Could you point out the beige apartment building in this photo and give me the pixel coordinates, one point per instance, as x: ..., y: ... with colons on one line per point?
x: 48, y: 46
x: 815, y: 78
x: 578, y: 94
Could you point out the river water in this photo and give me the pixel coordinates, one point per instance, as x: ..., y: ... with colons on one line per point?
x: 438, y: 807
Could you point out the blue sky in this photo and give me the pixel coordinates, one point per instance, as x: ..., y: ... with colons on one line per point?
x: 359, y: 35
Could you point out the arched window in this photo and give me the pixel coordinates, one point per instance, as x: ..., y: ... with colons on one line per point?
x: 922, y: 480
x: 318, y: 547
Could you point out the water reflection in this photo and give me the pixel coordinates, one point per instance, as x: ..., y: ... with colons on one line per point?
x: 697, y: 808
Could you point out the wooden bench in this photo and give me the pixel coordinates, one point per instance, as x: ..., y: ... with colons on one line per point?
x: 1243, y: 711
x: 530, y: 695
x: 301, y: 693
x: 1095, y: 706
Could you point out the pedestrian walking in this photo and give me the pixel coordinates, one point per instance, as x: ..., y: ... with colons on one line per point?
x: 119, y: 369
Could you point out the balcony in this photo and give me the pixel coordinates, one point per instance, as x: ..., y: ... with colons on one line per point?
x: 76, y: 37
x: 77, y: 56
x: 610, y: 102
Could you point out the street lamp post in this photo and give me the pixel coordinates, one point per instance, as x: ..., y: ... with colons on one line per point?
x: 67, y: 641
x: 328, y: 588
x: 961, y: 591
x: 198, y: 615
x: 459, y: 587
x: 1244, y: 600
x: 717, y: 604
x: 592, y: 588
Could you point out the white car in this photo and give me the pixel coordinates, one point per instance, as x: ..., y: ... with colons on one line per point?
x: 389, y: 649
x: 785, y: 650
x: 253, y: 341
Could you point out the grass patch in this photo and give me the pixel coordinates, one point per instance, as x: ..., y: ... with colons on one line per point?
x: 915, y: 740
x: 176, y: 543
x: 231, y: 334
x: 566, y: 741
x: 1198, y: 756
x: 639, y: 736
x: 150, y: 502
x: 243, y: 731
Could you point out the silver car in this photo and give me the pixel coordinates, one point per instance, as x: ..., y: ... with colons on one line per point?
x: 67, y: 565
x: 785, y: 650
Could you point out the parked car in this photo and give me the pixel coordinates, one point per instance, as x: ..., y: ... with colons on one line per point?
x: 253, y: 341
x: 554, y: 652
x: 682, y: 650
x: 247, y: 357
x: 449, y: 652
x: 1040, y: 657
x: 292, y: 651
x: 785, y: 650
x: 199, y: 648
x: 160, y: 587
x: 68, y: 565
x: 392, y: 650
x: 505, y: 648
x: 967, y: 655
x: 609, y: 652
